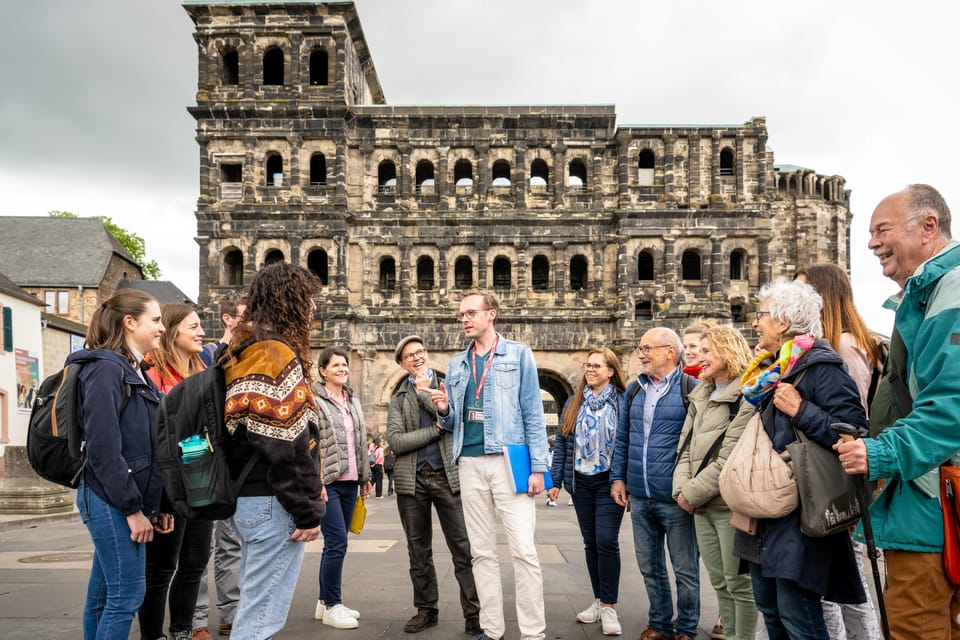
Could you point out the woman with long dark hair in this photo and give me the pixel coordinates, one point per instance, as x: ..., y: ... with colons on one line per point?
x: 847, y: 333
x: 183, y: 554
x: 119, y: 493
x: 271, y: 413
x: 343, y: 437
x: 582, y: 454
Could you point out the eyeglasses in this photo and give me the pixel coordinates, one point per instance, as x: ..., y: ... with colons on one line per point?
x: 589, y: 366
x: 469, y: 314
x: 415, y: 355
x: 646, y: 349
x: 760, y: 314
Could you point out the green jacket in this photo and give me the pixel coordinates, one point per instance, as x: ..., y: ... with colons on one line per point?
x: 908, y: 450
x: 406, y: 437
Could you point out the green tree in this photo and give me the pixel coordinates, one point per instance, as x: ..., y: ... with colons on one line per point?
x: 133, y: 243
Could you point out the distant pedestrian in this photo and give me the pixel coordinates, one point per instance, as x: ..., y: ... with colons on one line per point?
x: 389, y: 466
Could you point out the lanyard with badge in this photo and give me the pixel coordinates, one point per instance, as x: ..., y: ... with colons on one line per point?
x: 475, y: 409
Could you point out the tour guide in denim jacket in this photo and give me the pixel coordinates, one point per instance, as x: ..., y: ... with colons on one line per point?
x: 495, y: 383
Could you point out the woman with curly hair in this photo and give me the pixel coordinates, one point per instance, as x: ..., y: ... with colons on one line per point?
x: 183, y: 554
x: 715, y: 421
x: 271, y: 413
x: 582, y: 454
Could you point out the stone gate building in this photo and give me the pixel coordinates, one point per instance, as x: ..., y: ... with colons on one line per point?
x: 588, y: 232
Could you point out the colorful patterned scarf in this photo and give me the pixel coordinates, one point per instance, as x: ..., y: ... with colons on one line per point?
x: 762, y: 377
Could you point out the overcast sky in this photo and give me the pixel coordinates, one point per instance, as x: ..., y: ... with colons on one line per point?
x: 93, y: 94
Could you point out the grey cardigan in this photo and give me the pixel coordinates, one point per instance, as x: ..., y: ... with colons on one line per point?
x: 406, y: 437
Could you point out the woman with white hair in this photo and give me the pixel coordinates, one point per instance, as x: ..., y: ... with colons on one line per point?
x: 798, y: 382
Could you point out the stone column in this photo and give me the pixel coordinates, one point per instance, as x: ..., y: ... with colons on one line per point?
x: 368, y: 390
x: 483, y: 169
x: 340, y: 174
x: 694, y: 189
x: 249, y: 168
x: 443, y: 248
x: 523, y: 285
x: 295, y: 238
x: 715, y: 165
x: 338, y: 82
x: 596, y: 183
x: 404, y: 277
x: 296, y: 144
x: 559, y: 169
x: 560, y: 266
x: 440, y: 175
x: 717, y: 280
x: 340, y: 268
x: 670, y: 275
x: 739, y: 164
x: 669, y: 149
x: 623, y: 170
x: 251, y: 69
x: 369, y: 185
x: 595, y: 284
x: 483, y: 283
x: 762, y: 165
x: 296, y: 57
x: 765, y: 267
x: 209, y: 186
x: 404, y: 177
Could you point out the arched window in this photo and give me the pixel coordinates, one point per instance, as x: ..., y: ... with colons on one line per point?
x: 540, y: 273
x: 274, y: 170
x: 646, y: 163
x: 501, y: 273
x: 501, y: 174
x: 463, y: 273
x: 643, y: 310
x: 424, y: 177
x: 539, y: 176
x: 463, y: 173
x: 738, y: 264
x: 388, y: 274
x: 425, y: 273
x: 273, y: 66
x: 645, y: 266
x: 318, y: 170
x: 230, y: 70
x: 737, y: 313
x: 387, y: 177
x: 726, y: 161
x: 578, y: 175
x: 233, y: 268
x: 578, y: 273
x: 318, y: 67
x: 318, y: 264
x: 690, y: 265
x: 274, y: 256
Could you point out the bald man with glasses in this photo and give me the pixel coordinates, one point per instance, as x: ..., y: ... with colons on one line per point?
x: 641, y: 475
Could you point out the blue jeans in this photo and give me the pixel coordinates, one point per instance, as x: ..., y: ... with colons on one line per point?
x: 341, y: 497
x: 599, y: 517
x: 790, y: 612
x: 653, y: 521
x: 269, y: 566
x: 117, y: 582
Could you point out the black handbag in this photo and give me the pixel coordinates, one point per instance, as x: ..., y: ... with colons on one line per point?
x: 828, y: 494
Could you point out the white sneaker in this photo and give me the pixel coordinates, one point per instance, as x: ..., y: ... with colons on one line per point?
x: 591, y: 614
x: 321, y: 607
x: 338, y: 617
x: 609, y: 622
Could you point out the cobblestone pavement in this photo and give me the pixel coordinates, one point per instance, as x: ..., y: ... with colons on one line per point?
x: 44, y: 566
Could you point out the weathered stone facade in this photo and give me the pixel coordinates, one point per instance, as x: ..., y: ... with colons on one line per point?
x: 588, y: 232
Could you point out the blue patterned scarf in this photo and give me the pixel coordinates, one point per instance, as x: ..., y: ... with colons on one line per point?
x: 596, y: 431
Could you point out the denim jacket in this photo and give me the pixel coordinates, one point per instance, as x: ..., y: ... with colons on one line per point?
x: 512, y: 408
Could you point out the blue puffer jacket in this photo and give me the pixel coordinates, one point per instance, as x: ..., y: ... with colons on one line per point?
x: 647, y: 466
x: 122, y: 467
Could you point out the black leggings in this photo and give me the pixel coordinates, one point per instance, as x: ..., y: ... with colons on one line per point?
x: 185, y: 550
x: 376, y: 478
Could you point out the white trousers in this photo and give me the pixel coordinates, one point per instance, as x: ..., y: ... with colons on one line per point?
x: 487, y: 495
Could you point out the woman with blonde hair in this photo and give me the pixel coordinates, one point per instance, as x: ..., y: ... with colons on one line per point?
x: 182, y: 555
x: 582, y: 454
x: 715, y: 421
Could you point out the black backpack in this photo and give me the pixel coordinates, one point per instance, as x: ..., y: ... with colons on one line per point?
x: 198, y: 481
x: 55, y: 441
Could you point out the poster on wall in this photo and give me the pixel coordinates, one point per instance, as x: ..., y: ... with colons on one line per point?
x: 28, y: 379
x: 76, y: 343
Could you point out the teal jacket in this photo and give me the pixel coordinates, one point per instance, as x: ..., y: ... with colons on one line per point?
x: 908, y: 451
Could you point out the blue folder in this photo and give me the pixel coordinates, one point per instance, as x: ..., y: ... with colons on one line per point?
x: 517, y: 458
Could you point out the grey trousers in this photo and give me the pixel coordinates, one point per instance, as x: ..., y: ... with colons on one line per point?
x: 226, y: 574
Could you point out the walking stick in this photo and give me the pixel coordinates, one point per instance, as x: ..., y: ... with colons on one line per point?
x: 848, y: 433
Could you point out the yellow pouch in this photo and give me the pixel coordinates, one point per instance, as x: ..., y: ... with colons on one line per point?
x: 359, y: 515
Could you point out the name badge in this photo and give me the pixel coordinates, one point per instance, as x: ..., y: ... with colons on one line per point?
x: 475, y: 414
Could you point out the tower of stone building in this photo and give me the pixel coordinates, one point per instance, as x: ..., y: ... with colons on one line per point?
x: 588, y: 232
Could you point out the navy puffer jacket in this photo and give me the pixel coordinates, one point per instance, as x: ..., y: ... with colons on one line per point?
x: 646, y: 465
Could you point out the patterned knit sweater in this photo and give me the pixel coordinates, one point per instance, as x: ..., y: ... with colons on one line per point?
x: 271, y: 412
